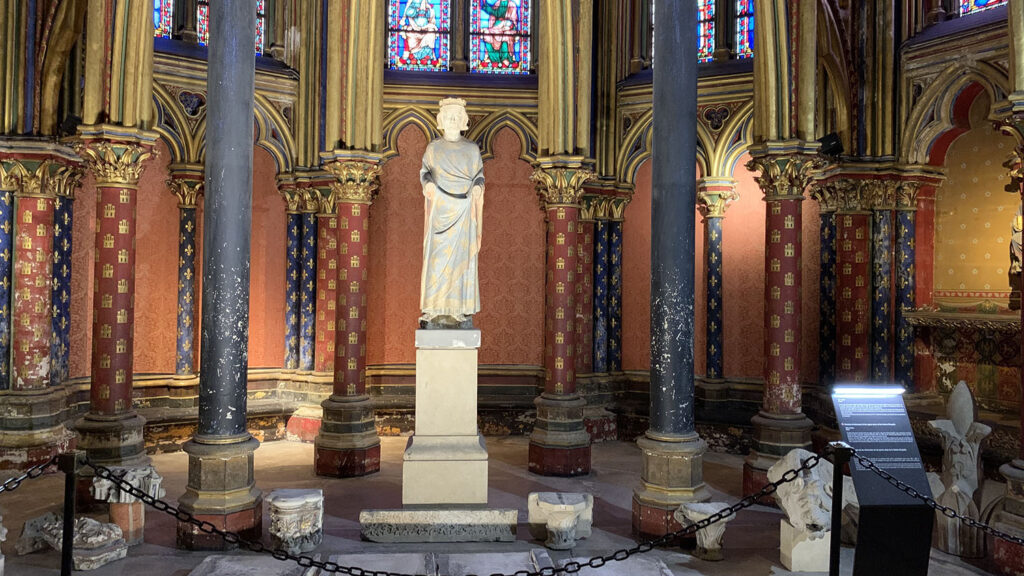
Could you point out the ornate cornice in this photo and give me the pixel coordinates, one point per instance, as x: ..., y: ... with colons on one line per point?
x: 355, y: 181
x: 187, y: 183
x: 559, y: 179
x: 1008, y: 323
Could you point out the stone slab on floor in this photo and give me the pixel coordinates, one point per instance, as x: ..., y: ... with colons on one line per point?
x: 492, y: 563
x: 633, y: 566
x: 241, y: 565
x: 449, y: 525
x: 424, y: 564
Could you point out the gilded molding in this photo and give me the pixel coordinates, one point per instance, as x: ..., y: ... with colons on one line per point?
x: 559, y: 180
x: 785, y: 176
x: 309, y: 199
x: 963, y: 321
x: 355, y: 181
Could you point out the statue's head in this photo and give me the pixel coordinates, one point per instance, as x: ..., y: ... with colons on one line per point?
x: 452, y: 118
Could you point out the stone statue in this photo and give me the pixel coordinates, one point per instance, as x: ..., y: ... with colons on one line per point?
x: 453, y: 189
x: 1015, y: 259
x: 961, y: 442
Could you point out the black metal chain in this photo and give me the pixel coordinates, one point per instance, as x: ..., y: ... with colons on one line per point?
x: 569, y: 568
x: 34, y: 472
x: 944, y: 510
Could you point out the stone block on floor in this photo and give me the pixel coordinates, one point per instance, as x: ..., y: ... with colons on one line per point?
x: 447, y: 525
x: 95, y: 544
x: 237, y: 565
x: 296, y: 519
x: 800, y: 553
x: 709, y: 539
x: 560, y: 518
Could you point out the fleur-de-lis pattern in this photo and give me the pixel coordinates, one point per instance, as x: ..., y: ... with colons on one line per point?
x: 615, y: 296
x: 185, y: 356
x: 293, y: 283
x: 713, y: 268
x: 585, y: 298
x: 827, y: 300
x: 307, y: 293
x: 881, y: 287
x: 6, y: 254
x: 906, y: 255
x: 601, y: 249
x: 61, y: 297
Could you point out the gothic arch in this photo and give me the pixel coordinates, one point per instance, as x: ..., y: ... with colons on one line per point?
x: 933, y: 118
x: 732, y: 143
x: 169, y: 121
x: 834, y: 58
x: 487, y: 129
x: 399, y: 119
x: 270, y: 132
x: 637, y: 147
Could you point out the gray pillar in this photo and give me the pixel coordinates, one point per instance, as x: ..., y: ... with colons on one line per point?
x: 672, y: 450
x: 220, y: 487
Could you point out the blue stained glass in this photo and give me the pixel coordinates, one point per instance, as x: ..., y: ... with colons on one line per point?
x: 163, y: 13
x: 705, y: 30
x: 203, y: 23
x: 972, y: 6
x: 499, y: 36
x: 419, y: 34
x: 744, y: 28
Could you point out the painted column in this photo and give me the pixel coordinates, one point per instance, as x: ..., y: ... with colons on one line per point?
x: 616, y: 216
x: 713, y: 197
x: 293, y: 267
x: 585, y: 289
x: 827, y: 285
x: 63, y: 221
x: 327, y: 255
x: 559, y: 444
x: 347, y: 444
x: 111, y: 432
x: 32, y: 175
x: 853, y: 291
x: 673, y: 453
x: 881, y: 250
x: 221, y: 489
x: 307, y: 282
x: 781, y: 426
x: 186, y: 183
x: 906, y: 270
x: 601, y: 250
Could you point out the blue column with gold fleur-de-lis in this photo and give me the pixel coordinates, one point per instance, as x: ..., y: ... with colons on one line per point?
x: 713, y: 197
x: 906, y: 254
x: 881, y: 294
x: 63, y: 220
x: 827, y: 298
x: 293, y: 279
x: 615, y: 289
x: 307, y: 289
x: 6, y: 226
x: 601, y: 250
x: 186, y: 183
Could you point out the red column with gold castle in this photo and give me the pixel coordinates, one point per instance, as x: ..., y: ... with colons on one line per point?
x: 327, y: 255
x: 347, y: 444
x: 559, y: 444
x: 111, y: 432
x: 853, y: 281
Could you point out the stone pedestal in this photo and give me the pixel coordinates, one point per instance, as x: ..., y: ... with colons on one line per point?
x: 801, y: 554
x: 296, y: 519
x: 560, y: 518
x: 673, y: 473
x: 445, y: 460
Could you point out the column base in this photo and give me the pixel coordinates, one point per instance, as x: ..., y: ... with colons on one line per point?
x: 672, y: 473
x: 775, y: 435
x: 601, y: 425
x: 113, y: 440
x: 220, y: 490
x: 34, y: 427
x: 1008, y: 557
x: 559, y: 443
x: 347, y: 444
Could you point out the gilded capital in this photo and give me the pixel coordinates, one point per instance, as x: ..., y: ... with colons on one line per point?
x: 785, y: 176
x: 309, y: 199
x: 715, y: 195
x: 355, y: 181
x: 27, y: 177
x: 186, y: 182
x: 906, y: 195
x: 115, y: 163
x: 64, y: 180
x: 560, y: 181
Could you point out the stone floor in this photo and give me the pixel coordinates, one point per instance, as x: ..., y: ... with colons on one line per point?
x: 751, y: 541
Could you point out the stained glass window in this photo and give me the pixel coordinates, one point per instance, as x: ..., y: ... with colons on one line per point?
x: 163, y: 18
x: 705, y: 30
x: 744, y: 28
x: 972, y: 6
x: 499, y: 36
x: 419, y: 34
x: 203, y: 22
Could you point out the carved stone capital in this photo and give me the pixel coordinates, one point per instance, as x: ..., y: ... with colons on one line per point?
x: 39, y: 178
x: 356, y: 181
x: 906, y: 195
x: 714, y: 195
x: 288, y: 186
x: 115, y: 155
x: 785, y: 176
x: 559, y: 180
x: 186, y: 182
x: 309, y: 199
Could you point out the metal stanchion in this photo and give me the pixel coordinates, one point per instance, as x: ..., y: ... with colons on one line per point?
x: 69, y: 463
x: 842, y: 453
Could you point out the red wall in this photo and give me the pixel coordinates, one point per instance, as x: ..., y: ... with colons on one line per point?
x: 83, y: 245
x: 267, y: 268
x: 511, y: 258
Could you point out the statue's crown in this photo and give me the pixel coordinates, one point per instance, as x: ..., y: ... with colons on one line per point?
x: 452, y: 102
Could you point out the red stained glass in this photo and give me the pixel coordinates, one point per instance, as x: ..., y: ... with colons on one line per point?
x: 203, y: 23
x: 705, y: 30
x: 163, y: 18
x: 744, y: 28
x: 419, y: 34
x: 499, y: 36
x: 972, y: 6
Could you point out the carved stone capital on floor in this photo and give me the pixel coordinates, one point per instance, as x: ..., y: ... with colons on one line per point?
x: 672, y: 474
x: 356, y: 175
x: 186, y: 183
x: 559, y: 179
x: 714, y: 195
x: 114, y: 154
x: 785, y: 168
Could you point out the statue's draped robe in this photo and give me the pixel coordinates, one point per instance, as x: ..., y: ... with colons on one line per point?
x: 451, y: 230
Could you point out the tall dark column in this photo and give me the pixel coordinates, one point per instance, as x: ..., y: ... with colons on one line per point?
x: 221, y: 489
x: 672, y: 451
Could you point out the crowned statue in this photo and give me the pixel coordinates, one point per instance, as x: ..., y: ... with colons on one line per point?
x: 453, y: 191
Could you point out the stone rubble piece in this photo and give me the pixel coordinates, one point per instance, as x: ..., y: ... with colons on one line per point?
x: 96, y: 543
x: 144, y: 478
x: 446, y: 525
x: 296, y: 519
x: 560, y: 518
x: 709, y: 539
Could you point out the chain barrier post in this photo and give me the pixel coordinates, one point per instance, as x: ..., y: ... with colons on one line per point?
x: 841, y: 453
x: 69, y: 463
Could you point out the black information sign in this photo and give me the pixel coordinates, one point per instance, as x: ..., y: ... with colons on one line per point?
x: 895, y: 530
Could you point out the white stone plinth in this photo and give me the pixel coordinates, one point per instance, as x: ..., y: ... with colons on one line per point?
x: 801, y: 554
x: 445, y: 470
x: 296, y: 519
x: 448, y: 525
x: 560, y: 518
